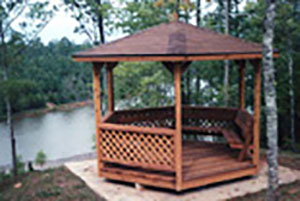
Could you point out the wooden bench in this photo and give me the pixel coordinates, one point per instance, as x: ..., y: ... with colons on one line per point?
x: 244, y: 121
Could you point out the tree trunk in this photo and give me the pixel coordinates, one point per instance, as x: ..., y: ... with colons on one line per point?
x: 226, y: 63
x: 7, y: 103
x: 291, y: 93
x: 12, y: 135
x: 100, y: 24
x: 188, y: 74
x: 270, y: 100
x: 198, y: 13
x: 198, y: 79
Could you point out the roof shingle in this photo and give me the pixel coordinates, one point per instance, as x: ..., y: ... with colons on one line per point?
x: 173, y: 39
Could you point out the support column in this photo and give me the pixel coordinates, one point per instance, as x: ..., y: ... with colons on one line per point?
x: 256, y: 125
x: 178, y: 115
x: 97, y: 107
x: 110, y: 87
x: 242, y: 70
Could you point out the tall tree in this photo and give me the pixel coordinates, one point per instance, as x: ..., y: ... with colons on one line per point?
x: 291, y: 93
x: 198, y: 13
x: 12, y: 45
x: 198, y: 22
x: 93, y: 17
x: 226, y: 62
x: 291, y: 32
x: 270, y: 100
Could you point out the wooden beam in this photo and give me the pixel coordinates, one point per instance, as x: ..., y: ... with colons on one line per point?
x: 242, y: 65
x: 184, y: 66
x: 256, y: 124
x: 171, y: 58
x: 97, y: 107
x: 168, y: 66
x: 137, y: 129
x: 110, y: 85
x: 218, y: 178
x: 178, y: 128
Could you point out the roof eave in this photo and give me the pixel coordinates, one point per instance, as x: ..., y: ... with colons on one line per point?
x: 190, y: 57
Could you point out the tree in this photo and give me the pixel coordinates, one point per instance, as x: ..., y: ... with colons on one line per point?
x: 226, y: 62
x: 93, y: 17
x: 198, y: 22
x: 291, y: 32
x: 40, y: 158
x: 270, y: 100
x: 13, y: 43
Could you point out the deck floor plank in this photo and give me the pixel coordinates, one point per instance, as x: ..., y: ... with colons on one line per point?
x: 204, y: 159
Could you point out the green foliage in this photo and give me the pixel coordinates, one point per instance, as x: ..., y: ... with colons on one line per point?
x: 4, y: 176
x: 47, y: 74
x: 20, y: 165
x: 137, y: 16
x: 87, y: 13
x: 40, y: 158
x: 142, y: 85
x: 286, y: 28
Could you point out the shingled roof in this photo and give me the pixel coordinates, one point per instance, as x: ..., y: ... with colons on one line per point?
x: 173, y: 41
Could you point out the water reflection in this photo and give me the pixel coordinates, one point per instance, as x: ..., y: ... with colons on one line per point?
x: 58, y: 134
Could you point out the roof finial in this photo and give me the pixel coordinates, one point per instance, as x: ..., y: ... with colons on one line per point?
x: 175, y: 16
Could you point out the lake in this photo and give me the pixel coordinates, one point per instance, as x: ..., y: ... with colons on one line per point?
x: 59, y: 134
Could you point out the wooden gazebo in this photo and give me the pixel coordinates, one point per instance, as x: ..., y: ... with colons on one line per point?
x: 152, y: 146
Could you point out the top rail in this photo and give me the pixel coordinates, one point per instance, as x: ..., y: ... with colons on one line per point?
x: 159, y: 131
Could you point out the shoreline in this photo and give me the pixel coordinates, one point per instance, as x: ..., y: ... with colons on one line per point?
x: 51, y: 108
x: 54, y: 163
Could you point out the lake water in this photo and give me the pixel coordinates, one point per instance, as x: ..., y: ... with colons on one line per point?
x: 58, y: 134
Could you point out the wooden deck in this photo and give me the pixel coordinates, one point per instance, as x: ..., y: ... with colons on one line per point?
x: 203, y: 163
x: 205, y: 159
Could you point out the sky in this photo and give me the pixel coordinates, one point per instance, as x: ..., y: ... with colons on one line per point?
x: 63, y: 25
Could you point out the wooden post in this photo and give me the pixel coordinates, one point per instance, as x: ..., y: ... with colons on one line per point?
x: 256, y: 125
x: 242, y: 69
x: 178, y: 114
x: 110, y: 87
x: 97, y: 107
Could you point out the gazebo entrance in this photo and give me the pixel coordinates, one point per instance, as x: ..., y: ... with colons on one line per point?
x: 162, y: 146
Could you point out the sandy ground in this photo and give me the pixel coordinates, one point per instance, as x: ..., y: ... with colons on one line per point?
x: 114, y: 191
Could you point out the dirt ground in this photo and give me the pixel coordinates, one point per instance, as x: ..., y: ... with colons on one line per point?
x: 60, y: 184
x: 50, y: 185
x: 288, y: 192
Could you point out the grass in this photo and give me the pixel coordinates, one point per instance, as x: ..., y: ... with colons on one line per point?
x: 54, y: 184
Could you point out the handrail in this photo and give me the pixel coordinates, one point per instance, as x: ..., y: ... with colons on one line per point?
x: 107, y: 116
x: 149, y: 109
x: 117, y: 127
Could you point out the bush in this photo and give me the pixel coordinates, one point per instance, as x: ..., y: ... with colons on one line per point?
x: 20, y: 165
x: 40, y: 158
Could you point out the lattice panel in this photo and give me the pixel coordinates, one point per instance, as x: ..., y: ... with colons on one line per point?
x: 162, y: 123
x: 138, y: 149
x: 206, y: 123
x: 154, y: 118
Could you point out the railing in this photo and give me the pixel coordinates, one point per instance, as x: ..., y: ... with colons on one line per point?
x: 150, y: 148
x: 163, y: 117
x: 144, y: 138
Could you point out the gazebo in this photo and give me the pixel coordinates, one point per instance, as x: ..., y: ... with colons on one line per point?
x: 151, y: 146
